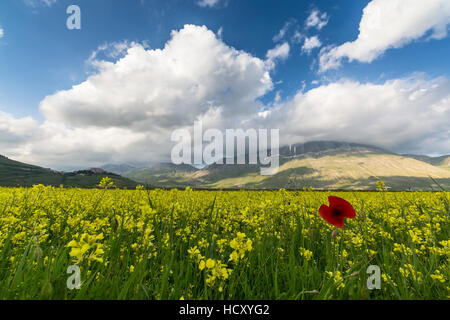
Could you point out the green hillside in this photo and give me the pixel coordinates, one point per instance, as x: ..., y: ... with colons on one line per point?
x: 14, y: 173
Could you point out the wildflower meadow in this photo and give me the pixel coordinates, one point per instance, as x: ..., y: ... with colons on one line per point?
x: 220, y: 245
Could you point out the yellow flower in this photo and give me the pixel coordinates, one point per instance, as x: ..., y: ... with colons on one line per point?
x: 194, y: 253
x: 241, y: 245
x: 337, y: 278
x: 210, y: 263
x: 408, y: 271
x: 438, y: 276
x: 307, y: 254
x: 87, y: 248
x: 106, y: 183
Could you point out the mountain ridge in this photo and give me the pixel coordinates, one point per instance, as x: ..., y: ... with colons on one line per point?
x: 318, y: 164
x: 324, y: 165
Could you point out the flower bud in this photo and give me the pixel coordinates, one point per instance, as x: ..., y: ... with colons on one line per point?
x: 334, y: 234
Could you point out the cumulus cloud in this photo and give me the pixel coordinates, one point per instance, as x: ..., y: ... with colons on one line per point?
x: 310, y: 44
x: 135, y: 101
x: 2, y: 32
x: 128, y: 108
x: 14, y: 130
x: 61, y: 146
x: 387, y: 24
x: 194, y: 73
x: 406, y: 115
x: 317, y: 20
x: 16, y: 134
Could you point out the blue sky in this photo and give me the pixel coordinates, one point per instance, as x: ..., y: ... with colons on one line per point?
x: 39, y: 56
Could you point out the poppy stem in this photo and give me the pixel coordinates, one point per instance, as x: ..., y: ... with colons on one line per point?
x: 333, y: 254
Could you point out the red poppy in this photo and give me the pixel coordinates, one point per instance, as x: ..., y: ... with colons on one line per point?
x: 338, y: 210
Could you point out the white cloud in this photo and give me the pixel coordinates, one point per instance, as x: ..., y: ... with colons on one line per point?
x: 208, y: 3
x: 389, y: 24
x: 283, y: 31
x: 37, y: 3
x: 16, y: 134
x: 289, y: 31
x: 310, y: 44
x: 317, y: 20
x: 280, y: 52
x: 13, y: 130
x: 127, y: 110
x: 2, y: 32
x: 193, y: 73
x: 113, y: 50
x: 406, y: 115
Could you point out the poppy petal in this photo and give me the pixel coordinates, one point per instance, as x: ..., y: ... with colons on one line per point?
x: 344, y: 206
x: 327, y: 214
x: 324, y: 211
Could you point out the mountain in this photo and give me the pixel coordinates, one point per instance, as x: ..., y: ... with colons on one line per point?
x: 321, y: 164
x: 318, y: 148
x: 14, y: 173
x: 119, y: 169
x: 443, y: 161
x: 165, y: 175
x: 326, y: 165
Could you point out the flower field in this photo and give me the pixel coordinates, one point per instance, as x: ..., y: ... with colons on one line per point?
x: 156, y: 244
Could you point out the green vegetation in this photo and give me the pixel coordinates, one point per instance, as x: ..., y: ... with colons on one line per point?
x: 189, y: 244
x: 14, y: 173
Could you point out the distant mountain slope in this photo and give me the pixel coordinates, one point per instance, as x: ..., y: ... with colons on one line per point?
x: 322, y: 165
x: 346, y: 171
x: 318, y: 148
x: 443, y: 161
x: 119, y: 169
x: 14, y: 173
x: 165, y: 175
